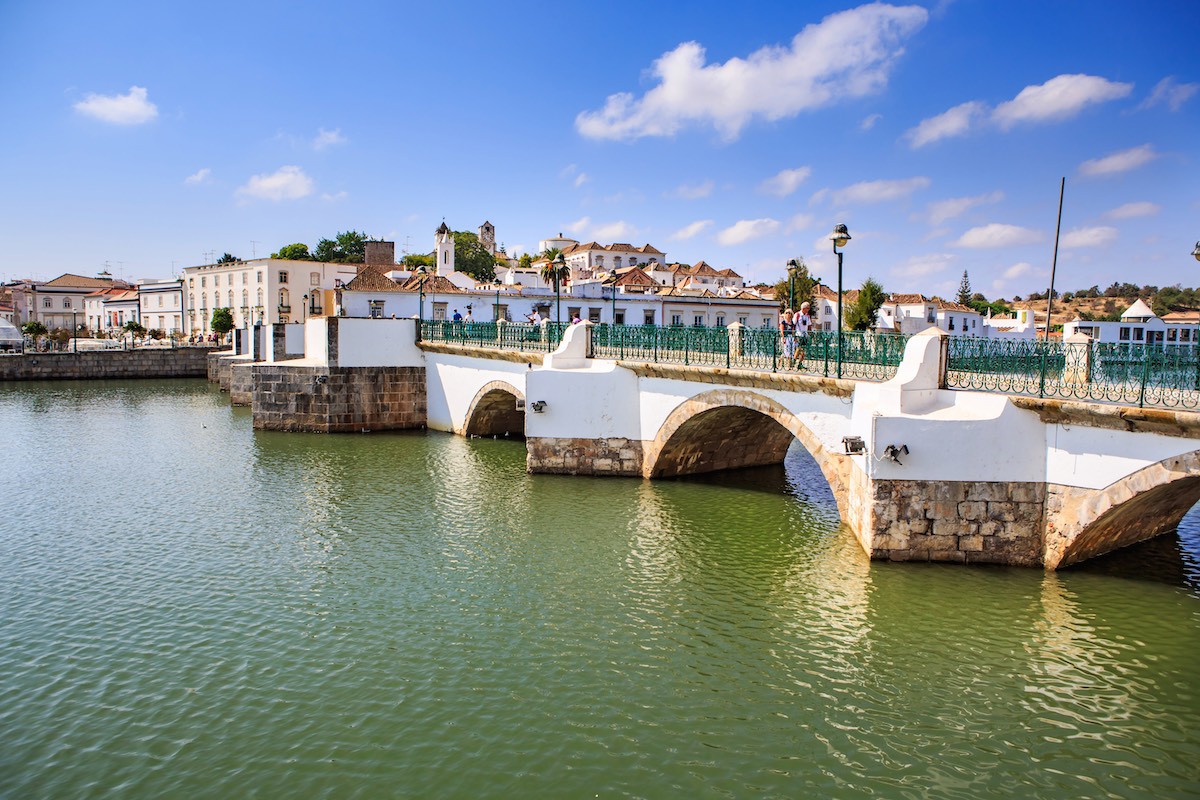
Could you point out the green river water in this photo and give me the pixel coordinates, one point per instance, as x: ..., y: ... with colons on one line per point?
x: 192, y: 609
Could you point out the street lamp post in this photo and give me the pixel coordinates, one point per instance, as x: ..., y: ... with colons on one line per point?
x: 792, y: 266
x: 840, y: 237
x: 559, y: 264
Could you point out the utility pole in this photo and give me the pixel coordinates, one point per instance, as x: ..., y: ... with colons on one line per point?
x: 253, y: 248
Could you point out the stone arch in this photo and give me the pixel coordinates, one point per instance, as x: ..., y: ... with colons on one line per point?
x: 493, y: 411
x: 731, y: 429
x: 1082, y: 523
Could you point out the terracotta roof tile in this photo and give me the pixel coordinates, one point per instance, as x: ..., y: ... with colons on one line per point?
x: 69, y: 280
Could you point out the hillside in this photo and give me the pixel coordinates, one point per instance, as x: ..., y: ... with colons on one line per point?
x: 1069, y: 310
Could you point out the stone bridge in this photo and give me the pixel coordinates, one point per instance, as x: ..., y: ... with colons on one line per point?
x: 978, y: 478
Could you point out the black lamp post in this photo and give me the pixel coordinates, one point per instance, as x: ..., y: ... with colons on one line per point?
x: 840, y: 237
x: 560, y: 264
x: 792, y: 266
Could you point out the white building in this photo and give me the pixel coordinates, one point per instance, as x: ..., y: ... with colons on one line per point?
x: 58, y: 303
x: 161, y: 305
x: 262, y: 290
x: 1139, y: 325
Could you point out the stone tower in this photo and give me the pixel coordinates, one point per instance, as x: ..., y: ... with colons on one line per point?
x: 444, y: 251
x: 487, y: 237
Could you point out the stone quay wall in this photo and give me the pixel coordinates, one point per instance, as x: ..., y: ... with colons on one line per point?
x: 555, y: 456
x: 970, y: 522
x: 241, y: 384
x: 337, y: 399
x: 181, y: 362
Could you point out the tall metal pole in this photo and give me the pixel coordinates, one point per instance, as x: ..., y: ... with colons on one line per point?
x: 839, y: 311
x: 1054, y: 264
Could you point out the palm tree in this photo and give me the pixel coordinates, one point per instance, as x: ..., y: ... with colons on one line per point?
x: 556, y: 271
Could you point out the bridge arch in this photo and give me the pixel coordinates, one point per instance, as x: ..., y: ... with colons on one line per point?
x: 1082, y: 523
x: 493, y: 411
x: 732, y: 429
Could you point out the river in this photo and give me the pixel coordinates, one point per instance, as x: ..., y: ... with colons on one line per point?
x: 194, y: 609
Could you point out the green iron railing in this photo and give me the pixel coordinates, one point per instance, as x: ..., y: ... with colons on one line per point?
x: 519, y: 336
x: 865, y: 356
x: 1130, y: 374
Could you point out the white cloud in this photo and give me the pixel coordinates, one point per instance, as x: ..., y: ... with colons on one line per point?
x: 786, y: 182
x: 568, y: 171
x: 869, y: 122
x: 1122, y: 161
x: 578, y: 225
x: 614, y: 231
x: 920, y: 266
x: 580, y: 179
x: 692, y: 230
x: 119, y: 109
x: 326, y: 138
x: 847, y: 55
x: 997, y: 235
x: 697, y: 192
x: 954, y: 122
x: 335, y: 197
x: 1089, y: 237
x: 746, y: 229
x: 942, y: 210
x: 199, y: 176
x: 1059, y: 98
x: 286, y: 183
x: 800, y: 222
x: 1017, y: 270
x: 1133, y: 210
x: 878, y: 191
x: 1174, y: 95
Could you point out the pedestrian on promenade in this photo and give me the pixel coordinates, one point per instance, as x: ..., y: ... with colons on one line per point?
x: 803, y: 324
x: 786, y: 335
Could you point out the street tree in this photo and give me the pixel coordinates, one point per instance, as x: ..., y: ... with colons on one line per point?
x: 222, y: 321
x: 228, y: 258
x: 294, y: 252
x: 134, y: 329
x: 525, y: 261
x: 417, y: 260
x: 34, y: 329
x: 797, y: 287
x: 861, y: 315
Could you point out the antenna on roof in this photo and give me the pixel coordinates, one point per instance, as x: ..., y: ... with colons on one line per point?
x: 253, y: 248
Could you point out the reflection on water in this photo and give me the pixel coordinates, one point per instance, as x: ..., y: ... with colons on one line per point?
x: 196, y: 609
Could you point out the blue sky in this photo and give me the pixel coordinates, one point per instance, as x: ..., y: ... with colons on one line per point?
x: 146, y: 135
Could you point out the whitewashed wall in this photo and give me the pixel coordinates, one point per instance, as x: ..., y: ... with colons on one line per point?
x: 378, y: 343
x: 452, y: 382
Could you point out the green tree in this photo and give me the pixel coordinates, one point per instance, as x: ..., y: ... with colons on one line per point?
x: 294, y: 252
x: 134, y: 328
x: 222, y: 321
x: 349, y: 247
x: 34, y: 329
x: 525, y: 261
x: 415, y: 260
x: 964, y: 289
x: 228, y: 259
x: 862, y: 313
x: 797, y: 286
x: 471, y: 257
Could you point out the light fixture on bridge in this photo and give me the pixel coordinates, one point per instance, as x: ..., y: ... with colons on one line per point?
x: 538, y: 406
x: 1196, y: 252
x: 894, y: 452
x: 840, y: 237
x: 854, y: 445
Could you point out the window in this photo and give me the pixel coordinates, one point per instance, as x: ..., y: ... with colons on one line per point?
x: 572, y: 312
x: 594, y: 315
x: 282, y: 276
x: 284, y: 305
x: 1171, y: 335
x: 259, y: 275
x: 619, y: 318
x: 1184, y: 335
x: 230, y: 296
x: 439, y: 311
x: 203, y: 281
x: 191, y: 283
x: 46, y: 301
x: 1123, y: 334
x: 376, y: 308
x: 676, y: 319
x: 314, y: 279
x: 720, y: 320
x: 1138, y: 334
x: 160, y: 301
x: 929, y: 315
x: 648, y: 317
x: 66, y: 302
x: 743, y: 320
x: 698, y: 321
x: 616, y: 262
x: 245, y: 278
x: 192, y: 300
x: 951, y: 322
